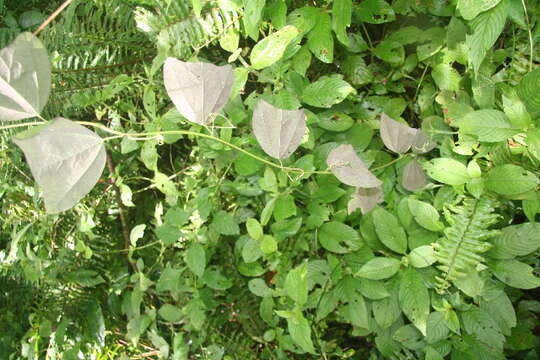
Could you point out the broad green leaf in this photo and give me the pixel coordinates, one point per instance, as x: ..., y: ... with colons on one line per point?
x: 373, y: 289
x: 168, y: 234
x: 487, y: 125
x: 414, y: 299
x: 365, y: 199
x: 285, y: 207
x: 259, y: 288
x: 414, y: 177
x: 253, y: 10
x: 528, y: 90
x: 448, y: 171
x: 478, y: 323
x: 339, y: 238
x: 196, y: 259
x: 215, y: 280
x: 487, y: 28
x: 515, y: 274
x: 268, y: 244
x: 251, y: 251
x: 356, y: 71
x: 391, y: 234
x: 278, y: 131
x: 516, y: 240
x: 375, y: 11
x: 66, y: 160
x: 326, y: 91
x: 446, y: 77
x: 341, y: 19
x: 425, y: 215
x: 304, y: 18
x: 510, y: 180
x: 254, y: 229
x: 25, y: 78
x: 349, y: 168
x: 296, y: 285
x: 436, y: 329
x: 198, y: 90
x: 387, y: 310
x: 379, y: 268
x: 320, y: 40
x: 396, y: 136
x: 170, y: 313
x: 271, y: 49
x: 136, y: 233
x: 470, y: 9
x: 197, y: 6
x: 391, y: 52
x: 300, y: 331
x: 422, y: 256
x: 225, y: 224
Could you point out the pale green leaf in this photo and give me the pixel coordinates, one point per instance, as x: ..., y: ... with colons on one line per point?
x: 379, y: 268
x: 300, y: 331
x: 425, y: 215
x: 414, y: 299
x: 422, y: 256
x: 66, y: 160
x: 269, y: 50
x: 326, y: 91
x: 509, y: 179
x: 446, y: 77
x: 25, y: 78
x: 136, y: 233
x: 170, y: 313
x: 487, y: 125
x: 470, y: 9
x: 448, y: 171
x: 254, y: 229
x: 296, y: 285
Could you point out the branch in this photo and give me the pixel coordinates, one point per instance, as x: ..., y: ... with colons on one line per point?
x: 52, y: 17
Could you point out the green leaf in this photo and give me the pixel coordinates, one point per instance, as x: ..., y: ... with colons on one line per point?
x: 196, y: 259
x: 375, y: 11
x: 516, y: 240
x: 170, y: 313
x: 251, y: 251
x: 300, y: 332
x: 326, y: 91
x: 259, y: 288
x: 197, y: 7
x: 341, y: 19
x: 388, y: 230
x: 470, y: 9
x: 528, y: 90
x: 268, y: 244
x: 253, y: 10
x: 478, y: 323
x: 515, y: 274
x: 425, y: 215
x: 448, y: 171
x: 422, y: 256
x: 320, y: 41
x: 510, y: 180
x: 254, y: 229
x: 225, y: 224
x: 215, y: 280
x: 436, y: 329
x: 373, y: 289
x: 136, y: 233
x: 414, y: 299
x: 446, y: 77
x: 487, y: 125
x: 296, y: 285
x: 271, y: 49
x: 246, y: 165
x: 285, y: 207
x: 339, y: 238
x: 168, y: 234
x: 379, y: 268
x: 25, y: 78
x: 487, y: 28
x: 391, y: 52
x: 66, y: 160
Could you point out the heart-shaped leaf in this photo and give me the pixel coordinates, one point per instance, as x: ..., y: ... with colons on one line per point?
x: 198, y: 89
x: 349, y: 168
x: 422, y: 143
x: 278, y: 131
x: 66, y: 160
x: 396, y: 136
x: 365, y: 199
x: 414, y: 177
x: 25, y: 78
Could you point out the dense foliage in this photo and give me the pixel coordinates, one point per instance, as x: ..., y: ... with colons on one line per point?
x: 398, y: 222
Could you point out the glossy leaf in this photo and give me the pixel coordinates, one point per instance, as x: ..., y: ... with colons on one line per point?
x: 66, y: 160
x: 396, y: 136
x: 25, y: 78
x: 278, y: 131
x: 365, y: 199
x: 349, y: 168
x: 198, y: 90
x: 414, y: 177
x: 271, y: 49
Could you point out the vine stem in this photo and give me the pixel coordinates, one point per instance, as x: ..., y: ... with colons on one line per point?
x: 52, y: 16
x: 531, y: 42
x: 153, y: 134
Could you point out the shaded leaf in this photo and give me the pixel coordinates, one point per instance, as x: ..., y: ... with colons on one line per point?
x: 198, y: 90
x: 196, y: 259
x: 341, y: 19
x: 320, y: 41
x: 515, y: 274
x: 253, y: 10
x: 25, y: 78
x: 414, y: 177
x: 396, y: 136
x: 365, y: 199
x: 516, y: 240
x: 66, y: 160
x: 528, y: 90
x: 339, y: 238
x: 278, y: 131
x: 349, y: 168
x: 422, y: 143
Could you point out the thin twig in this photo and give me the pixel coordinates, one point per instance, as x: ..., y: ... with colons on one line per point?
x: 531, y: 42
x: 52, y: 17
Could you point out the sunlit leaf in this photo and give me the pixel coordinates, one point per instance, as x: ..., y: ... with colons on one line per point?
x: 25, y: 78
x: 278, y: 131
x: 66, y: 160
x: 365, y: 199
x: 396, y: 136
x: 198, y: 90
x: 269, y: 50
x: 414, y: 177
x: 349, y: 168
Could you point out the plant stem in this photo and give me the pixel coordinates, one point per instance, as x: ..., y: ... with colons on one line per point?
x: 531, y: 42
x: 52, y: 17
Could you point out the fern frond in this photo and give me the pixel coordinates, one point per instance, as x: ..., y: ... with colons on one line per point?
x: 459, y: 252
x: 178, y: 32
